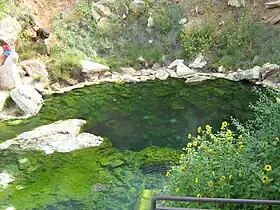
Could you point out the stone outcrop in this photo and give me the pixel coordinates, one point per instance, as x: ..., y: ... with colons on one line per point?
x: 27, y: 98
x: 61, y: 136
x: 9, y: 29
x: 34, y: 68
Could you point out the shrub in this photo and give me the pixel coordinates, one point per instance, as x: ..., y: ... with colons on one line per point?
x: 241, y: 40
x: 227, y: 164
x: 197, y: 40
x: 64, y: 64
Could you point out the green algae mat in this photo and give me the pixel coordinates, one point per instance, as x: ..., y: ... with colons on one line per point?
x: 145, y: 125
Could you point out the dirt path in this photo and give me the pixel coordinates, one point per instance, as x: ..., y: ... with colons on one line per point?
x: 47, y: 9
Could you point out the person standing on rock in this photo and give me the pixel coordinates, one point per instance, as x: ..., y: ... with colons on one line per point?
x: 42, y: 35
x: 6, y: 51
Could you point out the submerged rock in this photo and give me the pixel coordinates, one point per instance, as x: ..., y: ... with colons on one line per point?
x: 61, y: 136
x: 5, y: 179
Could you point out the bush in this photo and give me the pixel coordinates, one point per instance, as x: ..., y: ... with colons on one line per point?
x: 227, y: 164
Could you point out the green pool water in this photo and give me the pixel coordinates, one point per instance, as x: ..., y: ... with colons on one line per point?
x: 145, y: 126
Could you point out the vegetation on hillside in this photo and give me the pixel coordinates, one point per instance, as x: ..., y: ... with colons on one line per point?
x: 228, y: 164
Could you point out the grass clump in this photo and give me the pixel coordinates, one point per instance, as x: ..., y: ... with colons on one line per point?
x: 227, y: 164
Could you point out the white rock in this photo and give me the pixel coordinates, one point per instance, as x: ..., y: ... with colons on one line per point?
x: 129, y: 78
x: 90, y: 67
x: 183, y: 21
x: 61, y: 136
x: 175, y: 63
x: 3, y: 97
x: 183, y: 70
x: 10, y: 208
x: 27, y: 98
x: 150, y: 22
x: 172, y: 73
x: 199, y: 62
x: 34, y: 68
x: 250, y: 74
x: 102, y: 10
x: 5, y: 179
x: 221, y: 69
x: 197, y: 78
x: 146, y: 72
x: 145, y: 78
x: 9, y: 28
x: 236, y: 3
x: 130, y: 71
x: 162, y: 74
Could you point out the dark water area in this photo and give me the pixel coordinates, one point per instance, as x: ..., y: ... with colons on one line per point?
x: 154, y: 113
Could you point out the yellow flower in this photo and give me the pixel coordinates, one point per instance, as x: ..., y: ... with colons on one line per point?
x: 181, y: 168
x: 167, y: 173
x: 196, y: 180
x: 223, y: 178
x: 241, y: 147
x: 228, y: 133
x: 224, y: 124
x: 208, y: 127
x: 182, y: 155
x: 177, y: 189
x: 189, y: 145
x: 267, y: 167
x: 199, y: 195
x: 199, y: 129
x: 210, y: 184
x: 265, y: 179
x: 195, y: 143
x: 240, y: 137
x: 189, y: 136
x: 277, y: 139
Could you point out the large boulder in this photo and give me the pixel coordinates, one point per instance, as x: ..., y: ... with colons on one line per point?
x: 34, y: 68
x: 90, y: 67
x: 162, y: 74
x: 27, y: 98
x: 61, y: 136
x: 9, y: 29
x: 199, y: 62
x: 9, y: 73
x: 182, y: 70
